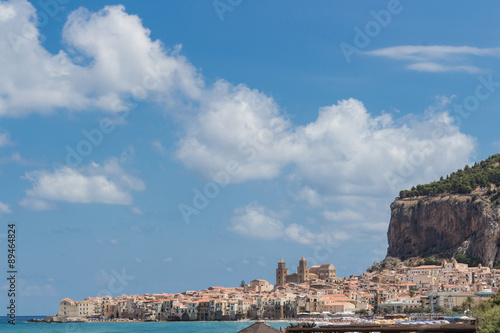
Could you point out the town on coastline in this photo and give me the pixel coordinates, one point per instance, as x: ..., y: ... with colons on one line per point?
x: 310, y: 292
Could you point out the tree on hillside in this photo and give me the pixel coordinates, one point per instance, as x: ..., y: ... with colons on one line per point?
x: 482, y: 174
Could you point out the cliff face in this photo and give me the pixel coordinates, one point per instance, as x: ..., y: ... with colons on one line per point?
x: 444, y: 226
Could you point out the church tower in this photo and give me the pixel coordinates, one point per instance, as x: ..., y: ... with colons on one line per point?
x: 303, y: 271
x: 281, y: 273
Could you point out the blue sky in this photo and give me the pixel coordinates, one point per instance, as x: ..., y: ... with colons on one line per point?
x: 180, y: 145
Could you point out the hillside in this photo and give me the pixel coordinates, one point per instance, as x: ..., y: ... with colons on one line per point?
x: 458, y: 214
x: 485, y: 174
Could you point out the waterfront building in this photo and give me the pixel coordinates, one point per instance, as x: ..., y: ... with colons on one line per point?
x: 68, y: 308
x: 310, y: 291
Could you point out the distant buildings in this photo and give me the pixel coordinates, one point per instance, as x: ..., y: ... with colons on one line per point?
x: 304, y: 273
x: 311, y: 291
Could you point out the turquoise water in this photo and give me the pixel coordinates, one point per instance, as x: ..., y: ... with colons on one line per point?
x: 170, y: 327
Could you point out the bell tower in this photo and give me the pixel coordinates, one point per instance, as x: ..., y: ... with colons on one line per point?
x: 281, y: 273
x: 303, y: 271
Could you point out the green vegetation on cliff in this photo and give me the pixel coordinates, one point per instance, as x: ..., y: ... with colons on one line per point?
x: 482, y: 174
x: 429, y: 261
x: 436, y: 261
x: 465, y: 259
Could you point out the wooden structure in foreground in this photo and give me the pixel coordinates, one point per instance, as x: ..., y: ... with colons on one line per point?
x: 444, y: 328
x: 259, y: 327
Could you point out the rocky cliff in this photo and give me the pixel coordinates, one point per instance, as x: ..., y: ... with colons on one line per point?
x: 445, y: 225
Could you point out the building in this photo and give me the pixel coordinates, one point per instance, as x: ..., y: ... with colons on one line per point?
x: 399, y: 304
x: 258, y: 286
x: 68, y: 308
x: 281, y: 273
x: 304, y: 273
x: 323, y: 272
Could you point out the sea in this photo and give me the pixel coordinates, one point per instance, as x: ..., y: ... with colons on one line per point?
x: 22, y: 325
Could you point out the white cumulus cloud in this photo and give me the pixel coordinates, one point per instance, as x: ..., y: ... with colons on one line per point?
x: 346, y: 152
x: 107, y: 183
x: 345, y: 146
x: 108, y: 53
x: 235, y: 123
x: 254, y: 221
x: 257, y: 222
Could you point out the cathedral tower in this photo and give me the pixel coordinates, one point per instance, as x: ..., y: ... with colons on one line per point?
x: 303, y: 271
x: 281, y: 273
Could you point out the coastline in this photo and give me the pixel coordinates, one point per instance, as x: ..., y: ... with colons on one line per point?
x: 126, y: 320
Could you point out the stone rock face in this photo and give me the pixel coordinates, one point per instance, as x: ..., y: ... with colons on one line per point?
x: 444, y: 226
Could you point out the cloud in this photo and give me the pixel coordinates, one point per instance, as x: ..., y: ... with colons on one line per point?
x: 136, y: 210
x: 15, y: 158
x: 438, y: 68
x: 235, y: 124
x: 7, y: 12
x: 345, y: 165
x: 437, y: 58
x: 4, y: 138
x: 108, y: 53
x: 254, y: 221
x: 257, y: 222
x: 345, y: 145
x: 168, y: 259
x: 27, y: 288
x: 107, y: 183
x: 103, y: 277
x: 299, y: 234
x: 310, y: 196
x: 4, y: 209
x: 159, y: 147
x: 342, y: 215
x: 233, y: 130
x: 421, y: 52
x: 36, y: 204
x: 371, y: 226
x: 35, y: 290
